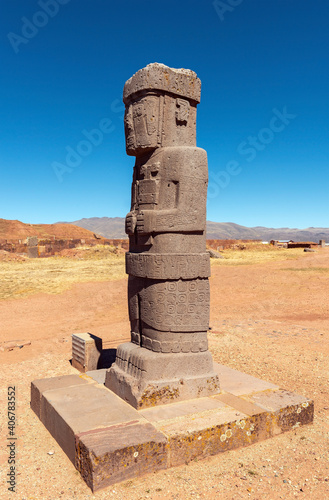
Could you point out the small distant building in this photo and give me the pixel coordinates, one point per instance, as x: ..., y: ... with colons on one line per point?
x: 281, y: 243
x: 297, y: 244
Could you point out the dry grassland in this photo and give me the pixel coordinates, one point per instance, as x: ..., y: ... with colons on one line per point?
x: 255, y: 253
x: 100, y: 263
x: 56, y: 274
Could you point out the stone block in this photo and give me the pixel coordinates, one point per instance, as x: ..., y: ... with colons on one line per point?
x: 41, y: 386
x: 86, y: 351
x: 73, y: 408
x: 205, y: 433
x: 32, y: 252
x: 239, y: 383
x: 180, y: 409
x: 240, y: 404
x: 97, y: 375
x: 32, y: 241
x: 286, y: 410
x: 119, y: 453
x: 145, y: 378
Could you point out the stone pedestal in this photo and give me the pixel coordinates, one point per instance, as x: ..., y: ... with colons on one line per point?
x: 144, y: 378
x: 109, y: 441
x: 167, y: 263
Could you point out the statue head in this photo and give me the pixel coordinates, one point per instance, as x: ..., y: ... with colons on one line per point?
x: 158, y: 101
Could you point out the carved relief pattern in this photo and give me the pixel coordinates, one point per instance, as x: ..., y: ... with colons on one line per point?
x: 162, y: 266
x: 181, y: 306
x: 179, y: 346
x: 175, y: 221
x: 183, y: 111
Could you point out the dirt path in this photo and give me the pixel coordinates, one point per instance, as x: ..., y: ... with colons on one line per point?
x: 269, y: 320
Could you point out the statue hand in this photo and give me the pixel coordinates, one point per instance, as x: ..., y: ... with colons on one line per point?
x: 140, y: 224
x: 130, y: 223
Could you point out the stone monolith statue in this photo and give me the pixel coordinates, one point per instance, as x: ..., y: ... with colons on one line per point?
x: 168, y: 289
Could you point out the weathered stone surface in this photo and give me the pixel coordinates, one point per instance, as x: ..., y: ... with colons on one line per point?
x: 214, y: 254
x: 157, y: 76
x: 86, y: 351
x: 238, y: 422
x: 239, y: 383
x: 72, y: 405
x: 109, y: 441
x: 206, y: 433
x: 287, y: 409
x: 171, y: 266
x: 97, y: 375
x: 119, y: 453
x: 40, y: 386
x: 144, y: 378
x: 32, y: 241
x: 167, y: 262
x: 157, y: 414
x: 32, y: 247
x: 32, y: 252
x: 239, y: 403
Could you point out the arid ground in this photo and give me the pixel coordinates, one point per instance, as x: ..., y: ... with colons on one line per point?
x: 269, y: 318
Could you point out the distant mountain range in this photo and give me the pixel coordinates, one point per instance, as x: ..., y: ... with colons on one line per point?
x: 113, y: 227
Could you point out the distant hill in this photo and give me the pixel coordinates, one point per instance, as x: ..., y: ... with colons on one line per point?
x: 113, y: 227
x: 229, y: 230
x: 108, y: 227
x: 16, y: 230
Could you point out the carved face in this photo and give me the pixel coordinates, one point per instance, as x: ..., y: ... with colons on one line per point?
x: 182, y: 111
x: 142, y: 125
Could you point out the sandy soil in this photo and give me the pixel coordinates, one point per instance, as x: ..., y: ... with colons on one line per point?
x: 269, y: 320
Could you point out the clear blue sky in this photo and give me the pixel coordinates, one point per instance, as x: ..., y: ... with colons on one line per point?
x: 62, y: 75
